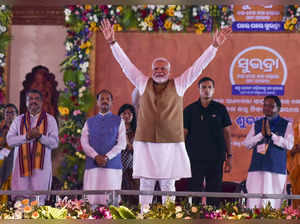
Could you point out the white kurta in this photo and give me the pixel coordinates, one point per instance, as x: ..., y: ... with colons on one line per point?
x: 102, y: 178
x: 161, y: 160
x: 40, y: 179
x: 266, y: 182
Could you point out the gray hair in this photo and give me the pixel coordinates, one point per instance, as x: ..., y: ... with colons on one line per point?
x: 161, y: 59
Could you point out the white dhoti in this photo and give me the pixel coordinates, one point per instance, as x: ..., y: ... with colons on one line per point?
x: 160, y: 160
x: 265, y: 183
x: 101, y: 179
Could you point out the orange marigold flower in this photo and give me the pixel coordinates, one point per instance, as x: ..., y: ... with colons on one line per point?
x: 25, y: 201
x: 34, y: 203
x: 88, y: 7
x: 35, y: 215
x: 27, y: 209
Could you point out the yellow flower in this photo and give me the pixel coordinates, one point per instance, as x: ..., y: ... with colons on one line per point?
x: 200, y: 26
x: 151, y: 17
x: 168, y: 24
x: 60, y: 110
x: 93, y: 27
x: 170, y: 11
x: 286, y: 26
x: 66, y: 111
x: 120, y: 8
x: 294, y: 20
x: 27, y: 209
x: 25, y: 201
x: 63, y: 111
x: 117, y: 27
x: 224, y: 9
x: 198, y: 31
x: 288, y: 22
x: 87, y: 51
x: 88, y: 44
x: 291, y: 27
x: 150, y: 24
x: 35, y: 215
x: 87, y: 7
x: 82, y: 46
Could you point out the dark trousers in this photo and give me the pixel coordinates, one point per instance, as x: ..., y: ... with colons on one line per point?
x: 128, y: 183
x: 212, y: 171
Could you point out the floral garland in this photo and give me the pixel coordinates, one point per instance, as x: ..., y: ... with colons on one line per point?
x: 161, y: 17
x: 5, y: 38
x: 207, y: 18
x: 292, y: 18
x: 80, y: 209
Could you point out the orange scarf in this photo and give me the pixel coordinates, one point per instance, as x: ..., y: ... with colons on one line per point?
x: 3, y: 132
x: 32, y: 157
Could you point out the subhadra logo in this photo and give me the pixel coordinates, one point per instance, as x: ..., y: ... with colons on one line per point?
x: 258, y: 70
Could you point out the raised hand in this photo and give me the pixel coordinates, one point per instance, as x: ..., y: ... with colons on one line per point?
x: 221, y: 36
x: 107, y: 30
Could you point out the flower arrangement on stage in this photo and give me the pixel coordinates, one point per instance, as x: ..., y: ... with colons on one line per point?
x: 5, y: 37
x: 291, y: 18
x: 207, y: 18
x: 161, y: 17
x: 80, y: 209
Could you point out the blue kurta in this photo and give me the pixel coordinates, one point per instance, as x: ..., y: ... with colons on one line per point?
x: 103, y: 136
x: 274, y: 160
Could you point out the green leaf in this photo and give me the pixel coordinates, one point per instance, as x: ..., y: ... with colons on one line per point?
x: 114, y: 212
x: 87, y: 102
x: 129, y: 19
x: 71, y: 75
x: 126, y: 213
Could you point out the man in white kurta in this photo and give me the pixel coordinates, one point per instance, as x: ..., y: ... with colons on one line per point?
x: 41, y: 178
x: 269, y: 138
x: 102, y: 139
x: 156, y: 161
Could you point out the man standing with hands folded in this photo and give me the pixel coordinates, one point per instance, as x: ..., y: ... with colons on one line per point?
x: 103, y: 137
x: 269, y: 138
x: 33, y: 134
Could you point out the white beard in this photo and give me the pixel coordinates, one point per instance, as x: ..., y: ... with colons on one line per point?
x: 160, y: 79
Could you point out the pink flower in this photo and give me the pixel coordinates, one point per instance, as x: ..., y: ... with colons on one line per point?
x: 107, y: 215
x: 76, y: 112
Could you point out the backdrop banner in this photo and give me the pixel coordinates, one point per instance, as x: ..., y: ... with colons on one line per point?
x: 245, y: 69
